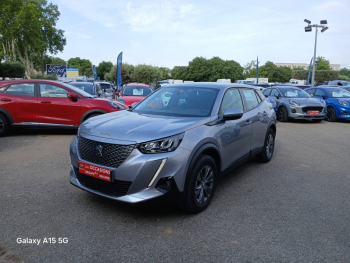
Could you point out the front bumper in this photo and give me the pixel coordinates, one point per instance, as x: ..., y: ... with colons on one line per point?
x: 134, y: 175
x: 300, y: 112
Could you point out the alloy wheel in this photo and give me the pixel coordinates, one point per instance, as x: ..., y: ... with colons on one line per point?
x: 330, y: 114
x: 204, y: 184
x: 269, y: 146
x: 281, y: 114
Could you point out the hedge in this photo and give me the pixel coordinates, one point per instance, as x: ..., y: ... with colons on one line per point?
x: 320, y: 75
x: 39, y: 76
x: 12, y: 70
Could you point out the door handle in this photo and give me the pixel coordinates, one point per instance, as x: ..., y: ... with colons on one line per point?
x: 6, y: 99
x: 46, y: 102
x: 248, y: 122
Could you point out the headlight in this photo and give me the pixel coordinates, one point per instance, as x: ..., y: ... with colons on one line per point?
x: 323, y: 102
x: 169, y: 144
x: 294, y: 103
x: 121, y: 100
x: 343, y: 102
x: 114, y: 105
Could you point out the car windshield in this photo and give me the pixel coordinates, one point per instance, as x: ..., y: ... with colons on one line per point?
x: 136, y: 91
x: 87, y: 87
x: 294, y: 93
x: 338, y: 93
x: 347, y: 88
x: 77, y: 90
x: 105, y: 86
x: 248, y: 82
x: 179, y: 101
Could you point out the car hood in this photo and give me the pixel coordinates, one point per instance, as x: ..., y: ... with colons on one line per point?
x: 131, y: 127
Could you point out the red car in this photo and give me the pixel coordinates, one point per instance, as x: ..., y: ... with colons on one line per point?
x: 134, y: 93
x: 48, y: 103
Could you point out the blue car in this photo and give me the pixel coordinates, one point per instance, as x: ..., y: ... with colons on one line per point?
x: 337, y: 100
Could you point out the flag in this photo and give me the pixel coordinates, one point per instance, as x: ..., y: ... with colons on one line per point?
x: 308, y: 75
x: 119, y: 70
x: 94, y: 71
x: 257, y: 70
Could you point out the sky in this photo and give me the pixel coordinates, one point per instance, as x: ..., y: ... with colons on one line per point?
x: 172, y: 33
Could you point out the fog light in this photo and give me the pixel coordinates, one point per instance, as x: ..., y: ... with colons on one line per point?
x: 343, y: 112
x: 158, y: 171
x: 164, y: 185
x: 294, y: 111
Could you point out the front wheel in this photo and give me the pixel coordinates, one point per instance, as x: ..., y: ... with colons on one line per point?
x: 268, y: 148
x: 201, y: 185
x: 4, y: 125
x: 282, y: 114
x: 331, y: 115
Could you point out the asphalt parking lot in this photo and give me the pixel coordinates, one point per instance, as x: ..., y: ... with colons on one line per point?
x: 294, y: 209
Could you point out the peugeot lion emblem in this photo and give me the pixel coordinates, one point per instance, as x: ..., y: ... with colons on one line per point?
x: 99, y: 150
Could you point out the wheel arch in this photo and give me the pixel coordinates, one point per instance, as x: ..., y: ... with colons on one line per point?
x: 90, y: 112
x: 7, y: 115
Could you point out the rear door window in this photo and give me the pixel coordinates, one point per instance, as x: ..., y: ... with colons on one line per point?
x: 21, y: 89
x: 250, y: 98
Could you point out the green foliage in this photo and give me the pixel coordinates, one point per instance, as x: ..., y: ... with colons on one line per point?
x: 84, y: 66
x: 323, y: 64
x: 202, y: 69
x: 146, y: 74
x: 41, y: 76
x: 103, y: 68
x: 165, y: 72
x: 28, y: 31
x: 53, y: 61
x: 179, y: 72
x: 127, y: 73
x: 320, y: 75
x: 12, y: 70
x: 249, y: 70
x: 343, y: 77
x: 345, y: 72
x: 274, y: 73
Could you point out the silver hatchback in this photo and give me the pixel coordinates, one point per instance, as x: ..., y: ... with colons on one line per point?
x: 174, y: 144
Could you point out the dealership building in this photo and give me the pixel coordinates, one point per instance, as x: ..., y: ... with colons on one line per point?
x: 304, y: 65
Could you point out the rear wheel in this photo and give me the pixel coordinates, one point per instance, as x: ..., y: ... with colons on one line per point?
x: 4, y: 125
x: 268, y: 149
x: 282, y: 114
x: 201, y: 186
x: 331, y: 115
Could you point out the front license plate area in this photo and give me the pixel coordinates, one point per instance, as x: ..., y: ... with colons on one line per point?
x: 95, y: 171
x: 313, y: 112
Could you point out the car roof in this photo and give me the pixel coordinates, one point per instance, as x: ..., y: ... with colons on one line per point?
x: 137, y: 84
x: 85, y: 82
x: 216, y: 85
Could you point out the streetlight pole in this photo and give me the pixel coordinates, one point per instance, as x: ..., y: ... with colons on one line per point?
x: 309, y: 29
x: 313, y: 63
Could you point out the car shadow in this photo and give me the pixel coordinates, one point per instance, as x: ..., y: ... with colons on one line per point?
x: 41, y: 131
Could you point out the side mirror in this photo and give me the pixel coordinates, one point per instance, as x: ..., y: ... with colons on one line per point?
x: 117, y: 93
x: 324, y: 96
x: 232, y: 114
x: 72, y: 96
x: 266, y: 95
x: 133, y: 105
x: 277, y: 97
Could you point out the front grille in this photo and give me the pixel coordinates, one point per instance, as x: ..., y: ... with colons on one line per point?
x: 113, y: 155
x: 116, y: 188
x: 306, y: 109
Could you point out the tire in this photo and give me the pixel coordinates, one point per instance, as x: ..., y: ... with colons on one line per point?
x: 331, y: 115
x: 282, y: 114
x: 269, y: 146
x: 317, y: 120
x: 201, y: 185
x: 4, y: 125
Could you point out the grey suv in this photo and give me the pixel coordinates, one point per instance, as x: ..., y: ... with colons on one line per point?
x: 174, y: 144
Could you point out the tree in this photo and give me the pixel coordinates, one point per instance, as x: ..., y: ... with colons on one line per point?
x: 249, y: 70
x: 28, y: 31
x: 127, y: 73
x: 147, y: 74
x: 201, y: 69
x: 345, y: 72
x: 179, y: 72
x: 274, y: 73
x: 103, y: 68
x: 165, y: 72
x: 323, y: 64
x: 84, y: 66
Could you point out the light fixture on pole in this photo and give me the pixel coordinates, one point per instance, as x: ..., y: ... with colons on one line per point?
x: 309, y: 29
